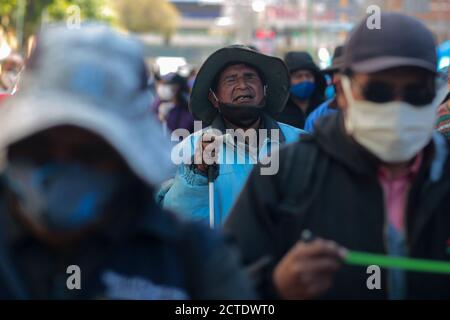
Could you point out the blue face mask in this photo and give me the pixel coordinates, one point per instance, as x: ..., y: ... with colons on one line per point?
x: 303, y: 90
x: 62, y: 196
x: 330, y: 92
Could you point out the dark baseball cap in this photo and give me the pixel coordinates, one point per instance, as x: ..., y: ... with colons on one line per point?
x: 400, y: 41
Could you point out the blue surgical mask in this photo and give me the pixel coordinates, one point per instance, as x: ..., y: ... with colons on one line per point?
x: 62, y: 196
x: 303, y: 90
x: 330, y: 92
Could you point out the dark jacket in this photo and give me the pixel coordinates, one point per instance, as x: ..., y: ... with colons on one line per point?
x: 328, y: 184
x: 151, y: 256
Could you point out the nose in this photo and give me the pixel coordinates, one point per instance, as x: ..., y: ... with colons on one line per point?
x: 241, y: 83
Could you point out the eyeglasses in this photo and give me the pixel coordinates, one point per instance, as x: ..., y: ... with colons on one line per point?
x: 418, y: 94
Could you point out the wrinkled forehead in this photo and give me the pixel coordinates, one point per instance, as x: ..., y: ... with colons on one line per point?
x: 236, y: 68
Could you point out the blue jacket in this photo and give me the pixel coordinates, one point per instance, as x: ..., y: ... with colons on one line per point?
x: 189, y: 194
x: 322, y: 110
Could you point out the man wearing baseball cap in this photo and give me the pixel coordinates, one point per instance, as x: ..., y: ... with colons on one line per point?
x: 375, y: 178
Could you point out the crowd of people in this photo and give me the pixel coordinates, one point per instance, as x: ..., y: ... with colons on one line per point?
x: 289, y: 170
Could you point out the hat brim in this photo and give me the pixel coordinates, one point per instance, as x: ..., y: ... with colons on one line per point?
x: 384, y: 63
x: 24, y: 116
x: 336, y: 66
x: 272, y: 69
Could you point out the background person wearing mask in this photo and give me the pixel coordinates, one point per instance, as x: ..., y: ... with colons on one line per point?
x: 375, y: 178
x: 76, y: 186
x: 307, y: 89
x: 173, y: 91
x: 332, y: 104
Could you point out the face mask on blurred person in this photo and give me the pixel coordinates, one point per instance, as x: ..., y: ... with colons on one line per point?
x: 165, y: 92
x: 394, y: 131
x: 303, y: 90
x: 61, y: 197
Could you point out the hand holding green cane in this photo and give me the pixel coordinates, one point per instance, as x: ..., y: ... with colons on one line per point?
x: 359, y: 258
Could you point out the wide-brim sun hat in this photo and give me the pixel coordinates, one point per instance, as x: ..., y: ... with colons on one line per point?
x: 272, y: 69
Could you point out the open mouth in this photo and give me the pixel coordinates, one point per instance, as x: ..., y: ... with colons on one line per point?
x: 243, y: 98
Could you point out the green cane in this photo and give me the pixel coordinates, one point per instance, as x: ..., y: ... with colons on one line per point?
x: 409, y: 264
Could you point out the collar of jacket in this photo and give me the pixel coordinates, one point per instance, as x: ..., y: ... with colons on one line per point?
x: 268, y: 123
x: 331, y: 137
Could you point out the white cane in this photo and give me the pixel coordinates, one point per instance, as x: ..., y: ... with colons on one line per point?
x: 164, y: 128
x: 211, y: 196
x: 211, y: 176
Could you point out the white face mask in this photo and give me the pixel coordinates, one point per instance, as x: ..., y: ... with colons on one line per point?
x: 394, y: 131
x: 165, y: 92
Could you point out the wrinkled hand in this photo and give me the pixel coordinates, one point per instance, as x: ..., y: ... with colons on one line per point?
x: 308, y: 269
x: 206, y: 151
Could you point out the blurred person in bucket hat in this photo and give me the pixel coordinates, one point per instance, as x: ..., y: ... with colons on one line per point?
x: 373, y: 178
x: 80, y: 159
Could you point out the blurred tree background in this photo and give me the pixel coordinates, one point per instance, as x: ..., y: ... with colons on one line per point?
x: 21, y: 19
x: 148, y: 16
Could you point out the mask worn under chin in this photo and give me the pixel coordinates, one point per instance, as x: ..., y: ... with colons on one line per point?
x: 303, y: 90
x: 395, y: 131
x: 62, y: 197
x: 239, y: 115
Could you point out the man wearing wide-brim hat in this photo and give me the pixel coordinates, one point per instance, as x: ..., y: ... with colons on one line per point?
x: 236, y: 88
x: 374, y: 178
